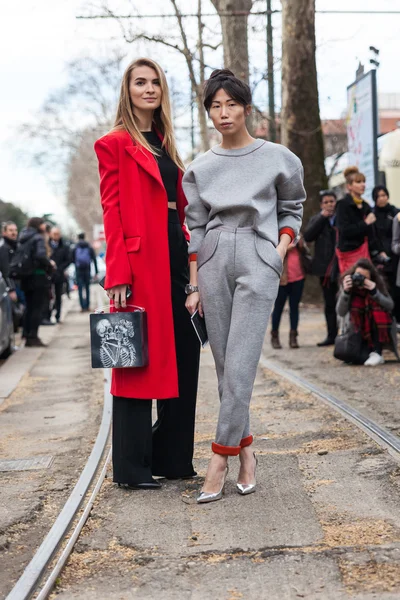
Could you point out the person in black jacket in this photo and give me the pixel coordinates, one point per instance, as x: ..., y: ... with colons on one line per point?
x: 35, y: 284
x: 61, y: 255
x: 8, y: 245
x: 355, y: 224
x: 385, y: 214
x: 321, y: 230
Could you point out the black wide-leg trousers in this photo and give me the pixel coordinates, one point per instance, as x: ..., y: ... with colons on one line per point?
x: 166, y: 449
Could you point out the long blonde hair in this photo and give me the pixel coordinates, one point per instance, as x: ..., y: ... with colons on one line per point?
x: 126, y: 119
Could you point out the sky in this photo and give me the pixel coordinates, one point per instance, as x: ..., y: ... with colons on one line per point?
x: 38, y: 38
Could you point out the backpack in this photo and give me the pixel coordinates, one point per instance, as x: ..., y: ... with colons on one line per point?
x: 82, y: 257
x: 22, y: 263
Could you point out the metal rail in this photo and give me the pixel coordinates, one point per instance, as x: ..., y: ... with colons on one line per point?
x: 381, y: 435
x: 52, y: 578
x: 29, y: 580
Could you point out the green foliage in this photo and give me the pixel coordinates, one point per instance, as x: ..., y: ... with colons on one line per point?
x: 10, y: 212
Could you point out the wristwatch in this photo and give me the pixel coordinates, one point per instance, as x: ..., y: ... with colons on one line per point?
x: 190, y: 289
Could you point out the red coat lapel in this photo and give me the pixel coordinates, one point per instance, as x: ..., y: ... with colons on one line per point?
x: 146, y: 160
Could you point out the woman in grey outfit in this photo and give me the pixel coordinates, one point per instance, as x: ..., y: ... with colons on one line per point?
x: 245, y: 207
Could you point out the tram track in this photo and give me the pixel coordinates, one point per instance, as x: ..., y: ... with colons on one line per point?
x: 379, y: 434
x: 37, y: 573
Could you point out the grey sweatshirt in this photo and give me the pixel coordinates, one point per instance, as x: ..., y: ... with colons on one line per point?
x: 260, y: 185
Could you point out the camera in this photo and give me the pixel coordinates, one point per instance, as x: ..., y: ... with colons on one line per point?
x: 358, y: 279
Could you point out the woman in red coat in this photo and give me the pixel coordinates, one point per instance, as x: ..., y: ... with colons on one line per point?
x: 143, y: 206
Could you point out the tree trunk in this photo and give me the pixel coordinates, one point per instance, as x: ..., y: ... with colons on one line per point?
x: 204, y: 137
x: 301, y: 123
x: 234, y: 34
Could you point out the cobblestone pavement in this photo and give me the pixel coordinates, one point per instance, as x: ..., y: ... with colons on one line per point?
x: 323, y: 524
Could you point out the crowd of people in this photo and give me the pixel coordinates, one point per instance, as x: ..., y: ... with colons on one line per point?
x: 356, y: 250
x: 34, y: 265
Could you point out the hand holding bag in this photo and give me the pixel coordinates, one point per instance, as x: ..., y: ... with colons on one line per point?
x: 119, y: 339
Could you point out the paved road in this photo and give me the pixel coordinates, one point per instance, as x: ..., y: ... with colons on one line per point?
x: 324, y: 523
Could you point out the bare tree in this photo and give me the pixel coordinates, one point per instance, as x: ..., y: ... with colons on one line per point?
x: 301, y: 123
x: 88, y: 99
x: 60, y: 138
x: 83, y: 196
x: 194, y: 55
x: 234, y: 18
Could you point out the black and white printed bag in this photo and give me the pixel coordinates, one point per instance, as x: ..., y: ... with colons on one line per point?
x: 119, y: 339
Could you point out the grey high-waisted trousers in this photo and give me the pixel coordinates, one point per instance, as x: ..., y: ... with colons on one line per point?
x: 238, y: 273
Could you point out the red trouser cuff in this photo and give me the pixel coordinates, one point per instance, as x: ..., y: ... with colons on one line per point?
x: 289, y: 232
x: 247, y: 441
x: 225, y: 450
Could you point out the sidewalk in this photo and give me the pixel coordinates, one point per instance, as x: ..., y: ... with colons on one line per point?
x: 21, y: 361
x: 47, y: 426
x: 323, y: 523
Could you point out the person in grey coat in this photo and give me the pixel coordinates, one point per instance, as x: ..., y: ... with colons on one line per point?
x: 364, y: 304
x: 245, y: 205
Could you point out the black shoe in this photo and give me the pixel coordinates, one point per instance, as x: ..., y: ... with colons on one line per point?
x: 35, y: 343
x: 172, y: 477
x: 148, y: 485
x: 47, y: 322
x: 327, y: 342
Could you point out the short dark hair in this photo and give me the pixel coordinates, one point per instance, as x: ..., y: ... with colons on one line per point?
x: 324, y: 193
x: 36, y: 223
x: 7, y: 224
x: 81, y: 236
x: 224, y: 79
x: 377, y: 189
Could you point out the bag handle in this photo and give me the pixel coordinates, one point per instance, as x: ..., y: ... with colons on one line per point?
x: 100, y: 309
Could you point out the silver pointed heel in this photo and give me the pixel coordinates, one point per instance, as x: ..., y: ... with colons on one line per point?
x: 248, y: 488
x: 207, y: 497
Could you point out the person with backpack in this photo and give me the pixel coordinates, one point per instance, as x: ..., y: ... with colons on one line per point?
x: 83, y: 256
x: 31, y: 265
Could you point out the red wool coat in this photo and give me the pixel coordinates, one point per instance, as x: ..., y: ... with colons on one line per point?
x: 135, y: 211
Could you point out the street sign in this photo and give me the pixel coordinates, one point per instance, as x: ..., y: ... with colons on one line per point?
x: 362, y: 129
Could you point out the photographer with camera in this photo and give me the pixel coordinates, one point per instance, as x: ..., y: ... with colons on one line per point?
x: 365, y: 305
